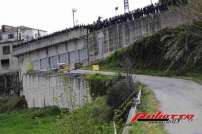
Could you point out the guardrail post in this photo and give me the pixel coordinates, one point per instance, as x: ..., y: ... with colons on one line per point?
x: 132, y: 112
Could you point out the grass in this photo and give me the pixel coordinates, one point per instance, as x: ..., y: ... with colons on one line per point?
x: 89, y: 119
x: 197, y: 77
x: 94, y: 118
x: 150, y: 105
x: 99, y: 77
x: 10, y: 103
x: 194, y: 76
x: 22, y: 122
x: 153, y: 72
x: 152, y: 56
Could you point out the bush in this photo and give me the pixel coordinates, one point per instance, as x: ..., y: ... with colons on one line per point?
x: 177, y: 51
x: 48, y: 111
x: 119, y: 93
x: 8, y: 104
x: 99, y: 87
x: 101, y: 111
x: 90, y: 119
x: 99, y: 84
x: 145, y: 53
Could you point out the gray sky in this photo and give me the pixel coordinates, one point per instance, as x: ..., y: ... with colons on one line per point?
x: 54, y: 15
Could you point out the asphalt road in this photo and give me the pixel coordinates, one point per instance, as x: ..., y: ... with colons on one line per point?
x: 176, y: 96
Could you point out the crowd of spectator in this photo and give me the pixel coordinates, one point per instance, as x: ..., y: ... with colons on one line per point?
x: 135, y: 14
x: 174, y: 2
x: 99, y: 24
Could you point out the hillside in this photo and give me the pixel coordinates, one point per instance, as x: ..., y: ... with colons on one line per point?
x: 169, y: 52
x: 112, y: 98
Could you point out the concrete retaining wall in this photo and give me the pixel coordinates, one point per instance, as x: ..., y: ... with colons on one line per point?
x: 43, y: 90
x: 85, y: 46
x: 106, y: 40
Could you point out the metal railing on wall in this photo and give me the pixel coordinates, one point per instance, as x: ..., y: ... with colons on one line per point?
x: 136, y: 102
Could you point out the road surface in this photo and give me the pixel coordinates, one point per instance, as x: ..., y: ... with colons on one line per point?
x: 176, y: 96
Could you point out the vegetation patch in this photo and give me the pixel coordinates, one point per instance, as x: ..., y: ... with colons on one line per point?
x: 8, y: 104
x: 22, y: 122
x: 170, y: 52
x: 99, y: 77
x: 43, y: 112
x: 91, y: 119
x: 148, y: 104
x: 99, y: 84
x: 97, y: 117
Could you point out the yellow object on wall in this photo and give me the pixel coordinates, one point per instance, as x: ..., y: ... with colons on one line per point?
x: 30, y: 67
x: 96, y: 67
x: 66, y: 69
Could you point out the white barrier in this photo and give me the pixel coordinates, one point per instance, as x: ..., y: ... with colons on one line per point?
x: 132, y: 112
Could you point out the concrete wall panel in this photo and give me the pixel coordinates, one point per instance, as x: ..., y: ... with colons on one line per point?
x: 49, y: 90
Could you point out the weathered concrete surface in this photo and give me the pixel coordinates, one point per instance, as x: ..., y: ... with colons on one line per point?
x: 41, y: 90
x: 82, y: 45
x: 10, y: 84
x: 176, y: 96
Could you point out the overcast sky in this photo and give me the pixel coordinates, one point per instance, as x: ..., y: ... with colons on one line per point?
x: 54, y: 15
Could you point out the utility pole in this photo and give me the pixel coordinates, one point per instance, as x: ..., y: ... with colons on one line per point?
x: 73, y: 14
x: 116, y: 10
x: 151, y: 1
x: 126, y: 6
x: 88, y: 48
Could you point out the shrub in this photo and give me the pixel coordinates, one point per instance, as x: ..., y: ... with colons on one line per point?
x: 99, y: 87
x: 48, y: 111
x: 99, y: 84
x: 119, y: 93
x: 176, y: 50
x: 90, y: 119
x: 101, y: 111
x: 12, y: 103
x: 145, y: 53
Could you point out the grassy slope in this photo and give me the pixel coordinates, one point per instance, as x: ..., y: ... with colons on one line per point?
x: 40, y: 121
x: 94, y: 118
x: 149, y: 104
x: 197, y: 77
x: 150, y: 55
x: 91, y: 119
x: 20, y: 122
